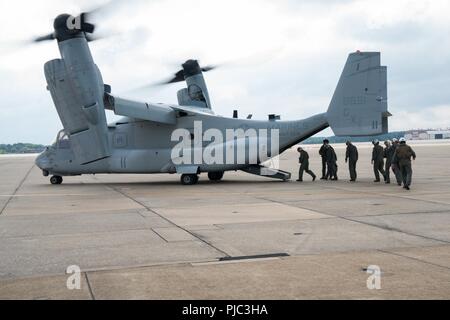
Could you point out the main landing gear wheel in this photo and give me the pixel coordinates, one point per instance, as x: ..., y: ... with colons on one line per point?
x: 215, y: 176
x: 56, y: 180
x: 189, y: 179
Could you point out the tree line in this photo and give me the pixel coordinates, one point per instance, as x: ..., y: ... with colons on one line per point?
x: 21, y: 148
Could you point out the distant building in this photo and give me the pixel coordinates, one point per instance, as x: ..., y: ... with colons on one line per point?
x: 427, y: 134
x: 439, y: 134
x: 417, y: 135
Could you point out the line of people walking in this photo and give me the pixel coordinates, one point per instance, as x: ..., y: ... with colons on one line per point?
x: 397, y: 153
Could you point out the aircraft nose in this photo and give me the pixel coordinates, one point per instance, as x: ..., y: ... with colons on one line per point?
x: 43, y: 162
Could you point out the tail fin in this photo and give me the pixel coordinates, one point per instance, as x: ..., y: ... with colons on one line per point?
x: 359, y: 104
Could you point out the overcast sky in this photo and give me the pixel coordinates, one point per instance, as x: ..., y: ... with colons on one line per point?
x: 282, y: 56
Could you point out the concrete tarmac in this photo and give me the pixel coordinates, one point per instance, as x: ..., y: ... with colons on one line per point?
x: 247, y: 237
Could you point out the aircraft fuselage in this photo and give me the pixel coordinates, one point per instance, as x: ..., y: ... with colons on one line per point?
x: 147, y: 147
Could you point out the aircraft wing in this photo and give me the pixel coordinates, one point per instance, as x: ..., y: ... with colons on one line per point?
x: 193, y: 110
x: 139, y: 110
x: 161, y: 113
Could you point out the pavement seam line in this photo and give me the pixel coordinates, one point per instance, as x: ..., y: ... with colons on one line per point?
x: 160, y: 236
x: 412, y: 258
x: 17, y: 189
x: 405, y: 213
x: 103, y: 212
x: 397, y: 230
x: 406, y: 197
x: 91, y: 292
x: 25, y: 237
x: 367, y: 223
x: 164, y: 218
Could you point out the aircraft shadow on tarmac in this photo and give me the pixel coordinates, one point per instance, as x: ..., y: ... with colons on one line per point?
x: 68, y: 184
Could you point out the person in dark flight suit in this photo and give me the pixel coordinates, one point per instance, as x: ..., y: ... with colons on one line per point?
x: 394, y: 163
x: 389, y: 155
x: 351, y: 156
x: 324, y: 160
x: 378, y: 160
x: 331, y: 159
x: 403, y: 155
x: 304, y: 165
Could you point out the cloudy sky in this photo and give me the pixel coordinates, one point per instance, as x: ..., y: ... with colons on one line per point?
x: 282, y: 56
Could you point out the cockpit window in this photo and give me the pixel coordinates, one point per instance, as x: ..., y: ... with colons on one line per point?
x: 62, y: 140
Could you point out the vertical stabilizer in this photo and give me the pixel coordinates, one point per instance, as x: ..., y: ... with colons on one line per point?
x: 359, y: 104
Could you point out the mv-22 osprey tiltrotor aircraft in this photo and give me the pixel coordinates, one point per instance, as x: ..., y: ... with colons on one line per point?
x: 142, y: 142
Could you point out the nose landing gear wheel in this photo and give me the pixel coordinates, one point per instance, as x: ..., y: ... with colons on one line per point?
x: 56, y: 180
x: 189, y: 179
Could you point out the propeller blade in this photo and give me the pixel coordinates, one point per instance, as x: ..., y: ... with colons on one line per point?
x: 96, y: 14
x: 48, y: 37
x: 102, y: 8
x: 91, y: 18
x: 92, y: 38
x: 179, y: 77
x: 209, y: 68
x: 101, y: 12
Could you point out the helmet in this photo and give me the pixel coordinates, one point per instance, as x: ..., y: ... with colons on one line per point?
x: 395, y: 140
x: 387, y: 142
x: 375, y: 141
x: 402, y: 140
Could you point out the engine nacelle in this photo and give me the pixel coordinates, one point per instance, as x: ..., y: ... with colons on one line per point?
x: 77, y: 89
x: 196, y: 94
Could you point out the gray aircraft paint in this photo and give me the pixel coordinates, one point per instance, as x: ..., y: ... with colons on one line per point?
x: 77, y: 89
x: 359, y: 104
x: 141, y: 142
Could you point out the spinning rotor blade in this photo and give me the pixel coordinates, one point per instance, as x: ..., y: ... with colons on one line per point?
x: 180, y: 76
x: 209, y: 68
x: 81, y: 23
x: 92, y: 37
x: 102, y: 9
x: 48, y: 37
